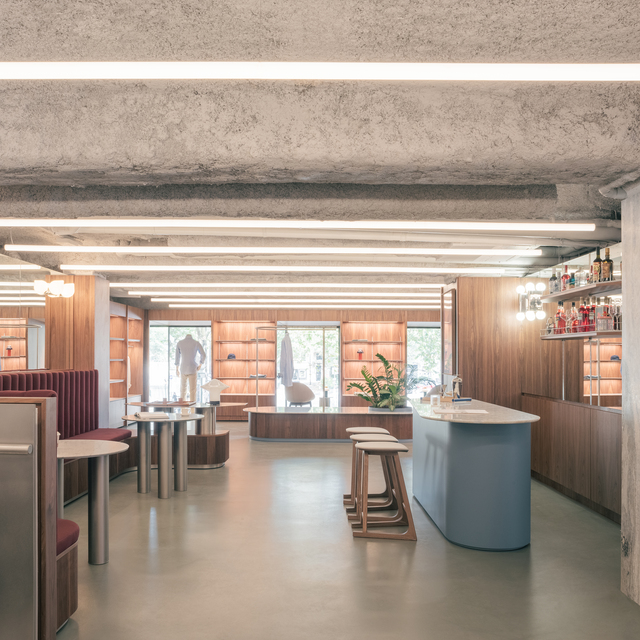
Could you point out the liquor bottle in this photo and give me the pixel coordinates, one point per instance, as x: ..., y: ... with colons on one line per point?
x: 584, y: 316
x: 592, y: 314
x: 561, y: 319
x: 572, y: 280
x: 597, y: 267
x: 553, y: 282
x: 565, y: 278
x: 590, y: 280
x: 607, y: 267
x: 574, y: 320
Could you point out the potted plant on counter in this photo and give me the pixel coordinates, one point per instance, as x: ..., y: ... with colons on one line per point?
x: 386, y: 392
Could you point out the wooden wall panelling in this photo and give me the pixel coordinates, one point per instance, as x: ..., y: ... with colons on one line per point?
x: 606, y: 459
x: 59, y: 330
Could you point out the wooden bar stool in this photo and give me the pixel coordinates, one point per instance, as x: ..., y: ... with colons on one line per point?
x: 387, y: 496
x: 390, y: 451
x: 350, y: 497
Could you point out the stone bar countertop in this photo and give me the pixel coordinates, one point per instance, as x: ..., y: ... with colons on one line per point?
x: 495, y: 413
x: 328, y: 410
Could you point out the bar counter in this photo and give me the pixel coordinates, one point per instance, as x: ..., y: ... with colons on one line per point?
x: 472, y: 474
x: 323, y: 423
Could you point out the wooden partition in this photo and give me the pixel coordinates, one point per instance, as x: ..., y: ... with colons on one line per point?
x: 577, y: 450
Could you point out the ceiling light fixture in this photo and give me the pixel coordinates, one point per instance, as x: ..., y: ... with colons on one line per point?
x: 298, y: 301
x: 19, y: 267
x: 376, y: 71
x: 15, y: 292
x: 296, y: 306
x: 293, y: 294
x: 357, y: 225
x: 275, y: 269
x: 277, y: 285
x: 23, y: 298
x: 418, y: 251
x: 55, y: 288
x: 27, y: 304
x: 16, y: 284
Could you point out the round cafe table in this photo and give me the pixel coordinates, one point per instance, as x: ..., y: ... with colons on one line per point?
x: 98, y: 452
x: 163, y: 428
x: 207, y: 427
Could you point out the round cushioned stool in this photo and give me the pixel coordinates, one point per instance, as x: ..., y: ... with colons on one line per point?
x: 388, y: 499
x: 348, y: 498
x: 390, y: 451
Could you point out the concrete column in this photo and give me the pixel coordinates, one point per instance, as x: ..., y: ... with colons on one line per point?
x: 630, y: 534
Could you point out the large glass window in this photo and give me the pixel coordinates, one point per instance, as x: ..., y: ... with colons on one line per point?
x: 163, y: 381
x: 313, y: 349
x: 424, y: 354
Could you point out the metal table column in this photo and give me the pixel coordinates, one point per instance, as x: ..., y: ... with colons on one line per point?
x: 99, y: 510
x: 180, y: 445
x: 164, y: 459
x: 144, y: 457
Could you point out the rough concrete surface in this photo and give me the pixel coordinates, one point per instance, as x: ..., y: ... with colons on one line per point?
x: 334, y: 30
x: 425, y: 133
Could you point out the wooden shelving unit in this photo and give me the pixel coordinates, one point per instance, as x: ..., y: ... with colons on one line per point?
x: 14, y: 359
x: 239, y: 338
x: 386, y: 338
x: 610, y: 375
x: 125, y: 359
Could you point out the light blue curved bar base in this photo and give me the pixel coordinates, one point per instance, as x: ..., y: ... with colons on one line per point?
x: 474, y: 481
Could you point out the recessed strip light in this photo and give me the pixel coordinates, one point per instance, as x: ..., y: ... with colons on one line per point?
x: 19, y: 267
x: 298, y: 301
x: 357, y: 225
x: 275, y: 269
x: 15, y: 292
x: 298, y: 306
x: 23, y: 303
x: 376, y: 71
x: 293, y: 294
x: 16, y: 284
x: 277, y: 285
x: 23, y: 298
x: 418, y: 251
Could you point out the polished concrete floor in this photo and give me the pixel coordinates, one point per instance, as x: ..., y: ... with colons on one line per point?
x: 261, y: 550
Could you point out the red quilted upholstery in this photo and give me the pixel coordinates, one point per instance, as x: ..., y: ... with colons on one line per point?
x: 77, y: 393
x: 67, y: 533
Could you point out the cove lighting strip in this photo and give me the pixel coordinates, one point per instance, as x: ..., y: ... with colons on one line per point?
x: 274, y: 285
x: 418, y: 251
x: 298, y: 301
x: 259, y: 223
x: 344, y: 294
x: 297, y: 306
x: 275, y: 269
x: 376, y: 71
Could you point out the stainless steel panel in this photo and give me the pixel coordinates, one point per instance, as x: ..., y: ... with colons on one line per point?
x: 18, y: 522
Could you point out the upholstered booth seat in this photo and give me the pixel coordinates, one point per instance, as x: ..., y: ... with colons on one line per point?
x: 104, y: 434
x: 66, y: 569
x: 67, y: 534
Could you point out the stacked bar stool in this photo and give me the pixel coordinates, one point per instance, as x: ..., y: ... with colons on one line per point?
x: 349, y: 498
x: 389, y: 455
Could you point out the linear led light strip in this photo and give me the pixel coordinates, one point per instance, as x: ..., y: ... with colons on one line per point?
x: 297, y: 306
x: 275, y: 250
x: 298, y: 301
x: 14, y: 292
x: 278, y: 269
x: 22, y: 304
x: 233, y: 223
x: 276, y: 285
x: 19, y: 267
x: 344, y: 294
x: 22, y: 299
x: 381, y: 71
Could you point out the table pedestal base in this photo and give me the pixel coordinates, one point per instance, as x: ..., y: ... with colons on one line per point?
x: 144, y: 457
x: 99, y: 510
x: 164, y: 459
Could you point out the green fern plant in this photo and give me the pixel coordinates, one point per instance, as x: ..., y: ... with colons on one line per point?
x: 387, y: 391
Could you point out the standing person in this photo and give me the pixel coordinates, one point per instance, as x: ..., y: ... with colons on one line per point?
x: 187, y: 365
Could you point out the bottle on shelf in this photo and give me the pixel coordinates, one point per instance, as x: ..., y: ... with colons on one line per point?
x: 607, y: 267
x: 592, y: 314
x: 565, y: 278
x: 561, y: 319
x: 574, y: 319
x: 572, y: 280
x: 597, y: 267
x: 584, y: 316
x: 553, y: 282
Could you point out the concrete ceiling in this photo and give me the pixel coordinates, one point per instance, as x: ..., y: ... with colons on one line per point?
x: 315, y: 150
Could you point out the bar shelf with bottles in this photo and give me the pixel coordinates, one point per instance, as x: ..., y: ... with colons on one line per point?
x: 601, y: 278
x: 592, y: 318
